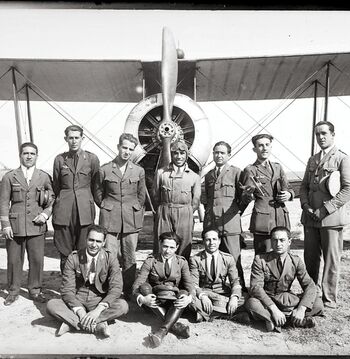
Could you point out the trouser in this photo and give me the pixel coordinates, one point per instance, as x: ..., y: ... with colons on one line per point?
x: 178, y: 220
x: 15, y: 257
x: 124, y: 245
x: 89, y: 300
x: 219, y: 306
x: 71, y: 237
x: 230, y: 243
x: 329, y: 243
x: 260, y: 312
x: 262, y: 243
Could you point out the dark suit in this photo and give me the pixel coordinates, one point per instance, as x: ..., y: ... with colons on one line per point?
x: 152, y: 271
x: 76, y: 291
x: 268, y: 286
x: 74, y: 209
x: 325, y: 235
x: 267, y: 212
x: 222, y: 210
x: 25, y: 206
x: 121, y: 199
x: 226, y: 282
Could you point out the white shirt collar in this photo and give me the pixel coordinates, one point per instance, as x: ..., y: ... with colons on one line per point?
x: 28, y: 172
x: 169, y: 259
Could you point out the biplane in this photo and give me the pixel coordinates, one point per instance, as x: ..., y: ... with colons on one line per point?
x: 167, y: 94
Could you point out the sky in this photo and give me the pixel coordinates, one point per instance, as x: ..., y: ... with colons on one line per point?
x: 136, y: 34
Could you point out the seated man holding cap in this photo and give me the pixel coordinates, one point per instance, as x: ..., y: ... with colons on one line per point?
x: 272, y: 276
x: 216, y: 282
x: 165, y: 286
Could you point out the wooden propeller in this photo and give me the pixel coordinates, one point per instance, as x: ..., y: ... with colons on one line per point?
x: 169, y: 83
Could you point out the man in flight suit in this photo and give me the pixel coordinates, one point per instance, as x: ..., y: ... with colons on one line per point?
x: 266, y: 183
x: 120, y: 193
x: 222, y: 208
x: 26, y: 199
x: 91, y: 287
x: 325, y: 214
x: 176, y: 193
x: 74, y: 174
x: 272, y: 276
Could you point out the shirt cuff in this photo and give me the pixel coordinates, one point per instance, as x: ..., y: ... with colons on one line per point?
x: 44, y: 215
x: 104, y: 304
x: 75, y: 309
x: 200, y: 296
x: 138, y: 300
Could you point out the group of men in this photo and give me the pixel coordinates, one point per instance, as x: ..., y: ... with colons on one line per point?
x: 209, y: 283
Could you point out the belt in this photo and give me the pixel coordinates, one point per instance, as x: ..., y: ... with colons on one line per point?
x: 175, y: 205
x: 276, y: 204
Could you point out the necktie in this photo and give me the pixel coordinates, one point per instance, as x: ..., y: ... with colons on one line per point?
x: 212, y: 267
x: 167, y: 268
x: 75, y: 160
x: 279, y: 265
x: 218, y: 172
x: 92, y: 270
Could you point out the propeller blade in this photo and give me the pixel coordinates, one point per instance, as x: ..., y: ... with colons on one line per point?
x: 169, y: 73
x: 169, y: 83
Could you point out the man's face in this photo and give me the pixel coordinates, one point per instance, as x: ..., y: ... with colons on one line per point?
x: 94, y: 242
x: 74, y: 140
x: 126, y: 149
x: 178, y: 157
x: 280, y: 242
x: 262, y: 148
x: 220, y: 155
x: 168, y: 248
x: 211, y: 241
x: 324, y: 137
x: 28, y: 156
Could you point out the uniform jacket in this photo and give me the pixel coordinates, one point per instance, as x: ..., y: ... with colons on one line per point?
x: 266, y: 282
x: 121, y: 197
x: 19, y: 203
x: 152, y: 271
x: 108, y: 278
x: 177, y: 190
x: 70, y: 185
x: 338, y: 207
x: 226, y: 281
x: 222, y: 200
x: 267, y: 213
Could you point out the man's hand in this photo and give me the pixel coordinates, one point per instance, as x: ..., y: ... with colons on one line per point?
x: 8, y: 233
x: 298, y: 315
x: 39, y: 219
x: 283, y: 196
x: 232, y: 305
x: 183, y: 301
x: 247, y: 190
x: 207, y: 304
x: 150, y: 300
x: 310, y: 212
x: 320, y: 213
x: 88, y: 322
x: 278, y: 317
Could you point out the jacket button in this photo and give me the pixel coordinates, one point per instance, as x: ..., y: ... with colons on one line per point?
x: 28, y: 212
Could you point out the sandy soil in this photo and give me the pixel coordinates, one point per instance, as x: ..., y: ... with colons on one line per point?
x: 27, y: 330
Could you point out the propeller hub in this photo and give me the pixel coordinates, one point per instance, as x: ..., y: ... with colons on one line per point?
x: 166, y: 129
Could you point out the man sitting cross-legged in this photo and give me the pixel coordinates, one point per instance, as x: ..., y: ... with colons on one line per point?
x: 165, y: 286
x: 91, y: 286
x: 215, y: 276
x: 272, y: 275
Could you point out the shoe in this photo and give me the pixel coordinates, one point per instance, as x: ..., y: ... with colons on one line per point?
x: 38, y: 297
x: 180, y: 330
x: 63, y: 329
x: 11, y: 299
x: 331, y: 305
x: 103, y: 330
x: 308, y: 322
x: 269, y: 326
x: 157, y: 337
x: 199, y: 318
x: 242, y: 317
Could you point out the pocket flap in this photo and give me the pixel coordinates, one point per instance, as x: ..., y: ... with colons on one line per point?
x: 13, y: 215
x: 107, y: 205
x: 137, y: 206
x: 134, y: 180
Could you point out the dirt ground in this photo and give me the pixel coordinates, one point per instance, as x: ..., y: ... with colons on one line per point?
x: 26, y: 330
